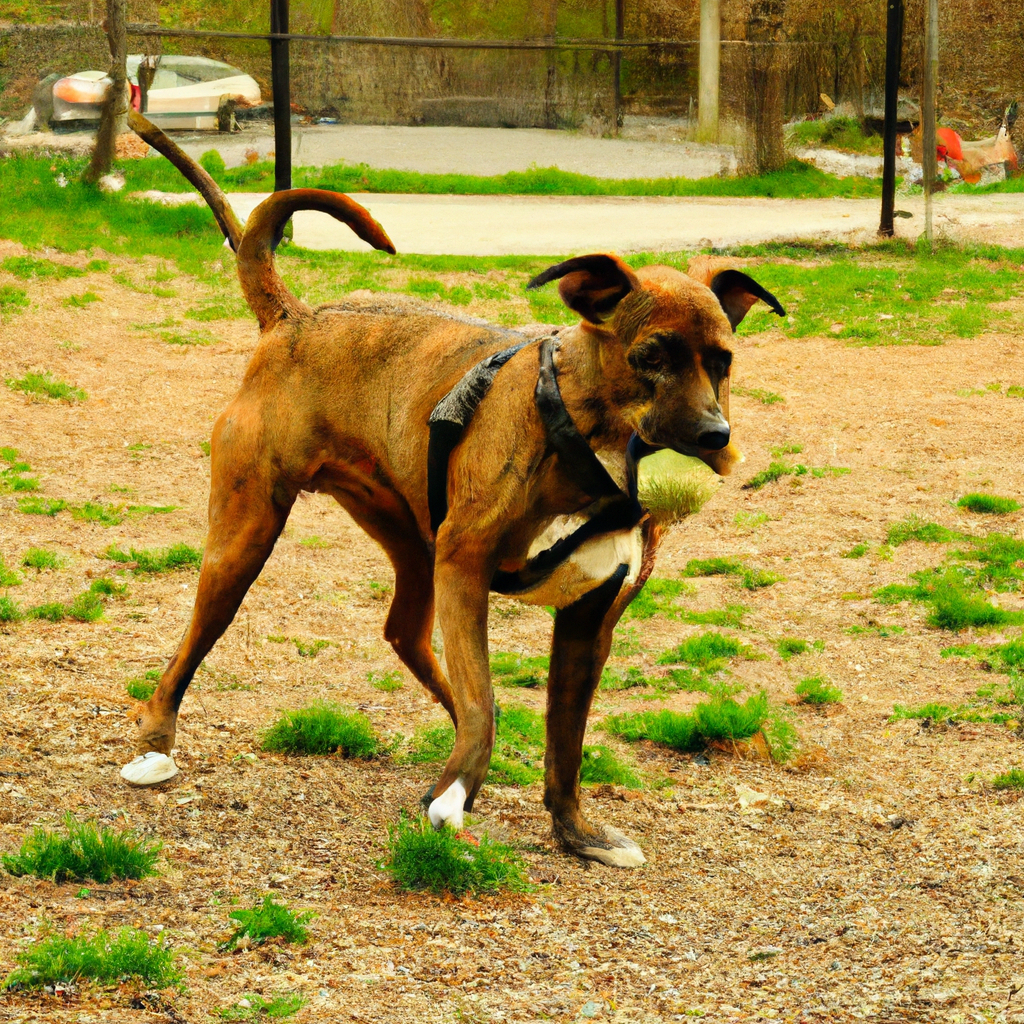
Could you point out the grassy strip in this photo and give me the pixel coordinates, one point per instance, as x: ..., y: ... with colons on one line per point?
x: 104, y: 957
x: 83, y: 853
x: 444, y: 862
x: 817, y: 690
x: 177, y: 556
x: 797, y: 180
x: 47, y: 386
x: 751, y: 579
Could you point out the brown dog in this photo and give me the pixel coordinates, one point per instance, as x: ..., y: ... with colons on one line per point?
x: 531, y: 488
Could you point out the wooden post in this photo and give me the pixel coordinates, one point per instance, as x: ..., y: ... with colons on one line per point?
x: 930, y: 163
x: 710, y: 70
x: 893, y: 54
x: 281, y: 86
x: 620, y: 32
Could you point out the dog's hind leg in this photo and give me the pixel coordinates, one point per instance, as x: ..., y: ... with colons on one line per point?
x: 248, y: 510
x: 410, y: 620
x: 582, y: 639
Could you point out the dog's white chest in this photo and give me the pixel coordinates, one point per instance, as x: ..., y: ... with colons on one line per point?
x: 593, y: 562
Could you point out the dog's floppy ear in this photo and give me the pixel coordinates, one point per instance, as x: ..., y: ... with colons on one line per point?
x: 737, y: 293
x: 591, y: 285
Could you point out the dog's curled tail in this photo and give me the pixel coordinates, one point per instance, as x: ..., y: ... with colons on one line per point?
x: 264, y: 290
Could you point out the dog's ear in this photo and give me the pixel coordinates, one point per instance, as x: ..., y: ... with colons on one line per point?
x: 737, y: 293
x: 591, y: 285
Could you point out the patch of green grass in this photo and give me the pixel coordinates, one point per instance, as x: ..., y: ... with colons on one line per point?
x: 818, y: 690
x: 51, y: 611
x: 321, y: 729
x: 12, y: 300
x: 27, y: 267
x: 790, y: 646
x: 509, y: 669
x: 795, y: 180
x: 1013, y: 779
x: 442, y: 862
x: 616, y: 679
x: 81, y: 301
x: 751, y: 579
x: 660, y: 596
x: 760, y: 394
x: 314, y: 543
x: 988, y: 503
x: 105, y: 957
x: 933, y: 712
x: 41, y: 506
x: 8, y: 577
x: 9, y: 610
x: 268, y: 920
x: 705, y: 650
x: 106, y: 587
x: 386, y: 682
x: 842, y: 133
x: 311, y: 648
x: 46, y: 385
x: 13, y: 479
x: 602, y: 765
x: 915, y: 528
x: 857, y: 551
x: 790, y: 448
x: 156, y: 560
x: 98, y: 512
x: 749, y: 522
x: 775, y: 470
x: 38, y: 559
x: 255, y: 1007
x: 184, y: 338
x: 83, y: 853
x: 86, y: 607
x: 143, y: 687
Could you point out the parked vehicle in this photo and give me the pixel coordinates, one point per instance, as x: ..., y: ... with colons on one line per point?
x: 185, y: 93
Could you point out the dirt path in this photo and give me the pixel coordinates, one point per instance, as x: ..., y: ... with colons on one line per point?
x: 554, y: 225
x: 884, y: 886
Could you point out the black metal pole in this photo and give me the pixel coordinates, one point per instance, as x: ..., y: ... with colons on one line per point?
x: 280, y: 82
x: 620, y: 27
x: 893, y: 53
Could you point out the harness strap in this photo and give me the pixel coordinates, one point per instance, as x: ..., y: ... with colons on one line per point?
x: 448, y: 421
x: 618, y: 509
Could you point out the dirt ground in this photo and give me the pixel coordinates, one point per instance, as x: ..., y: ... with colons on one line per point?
x: 881, y: 886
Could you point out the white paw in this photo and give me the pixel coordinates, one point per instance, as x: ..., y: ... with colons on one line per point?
x: 624, y: 854
x: 449, y: 807
x: 150, y: 768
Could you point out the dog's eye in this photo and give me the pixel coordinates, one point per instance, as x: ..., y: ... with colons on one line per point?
x: 650, y: 357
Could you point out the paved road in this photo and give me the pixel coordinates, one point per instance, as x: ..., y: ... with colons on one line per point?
x: 471, y: 150
x: 555, y: 225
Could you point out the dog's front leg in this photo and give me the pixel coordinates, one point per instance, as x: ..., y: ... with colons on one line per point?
x: 462, y: 583
x: 579, y: 649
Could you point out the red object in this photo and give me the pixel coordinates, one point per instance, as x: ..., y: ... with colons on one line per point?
x: 136, y: 100
x: 948, y: 144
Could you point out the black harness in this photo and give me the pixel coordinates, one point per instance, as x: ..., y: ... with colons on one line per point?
x: 613, y: 508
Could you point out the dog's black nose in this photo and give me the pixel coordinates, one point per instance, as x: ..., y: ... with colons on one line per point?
x: 713, y: 440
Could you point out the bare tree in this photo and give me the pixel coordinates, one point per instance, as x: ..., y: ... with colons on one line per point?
x: 766, y: 147
x: 113, y: 121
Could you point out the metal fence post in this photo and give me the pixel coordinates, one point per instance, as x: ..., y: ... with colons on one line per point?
x: 280, y: 82
x: 893, y: 54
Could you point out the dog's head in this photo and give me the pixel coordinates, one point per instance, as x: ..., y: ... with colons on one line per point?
x: 675, y: 331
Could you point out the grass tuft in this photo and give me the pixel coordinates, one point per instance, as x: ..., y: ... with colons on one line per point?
x: 104, y: 957
x: 386, y: 682
x: 509, y: 669
x: 38, y: 559
x: 320, y: 729
x: 8, y: 577
x: 443, y: 862
x: 46, y: 385
x: 857, y: 551
x: 255, y: 1007
x: 154, y: 560
x: 602, y: 765
x: 816, y: 690
x: 9, y: 610
x: 989, y: 504
x: 915, y: 528
x: 1013, y: 779
x: 81, y: 853
x: 143, y: 687
x: 33, y: 506
x: 268, y: 920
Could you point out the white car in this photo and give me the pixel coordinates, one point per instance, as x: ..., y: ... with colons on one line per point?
x: 185, y: 93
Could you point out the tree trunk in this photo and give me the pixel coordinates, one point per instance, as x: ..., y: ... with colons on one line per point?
x: 766, y: 147
x: 113, y: 121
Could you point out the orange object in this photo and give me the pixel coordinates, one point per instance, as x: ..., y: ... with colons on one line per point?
x: 948, y: 144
